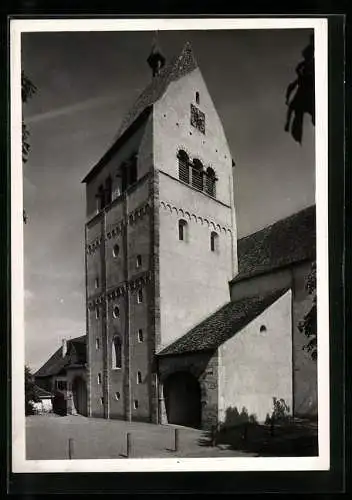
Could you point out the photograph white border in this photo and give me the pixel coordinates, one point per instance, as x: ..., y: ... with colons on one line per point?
x: 19, y: 462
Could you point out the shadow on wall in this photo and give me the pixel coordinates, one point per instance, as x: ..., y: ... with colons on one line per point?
x: 280, y: 435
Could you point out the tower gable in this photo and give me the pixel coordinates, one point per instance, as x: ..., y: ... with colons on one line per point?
x: 185, y: 120
x: 174, y: 70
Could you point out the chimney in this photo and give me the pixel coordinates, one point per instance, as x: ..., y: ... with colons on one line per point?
x: 64, y: 347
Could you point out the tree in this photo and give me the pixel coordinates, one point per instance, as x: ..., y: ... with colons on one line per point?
x: 29, y: 391
x: 308, y: 325
x: 303, y: 100
x: 28, y: 89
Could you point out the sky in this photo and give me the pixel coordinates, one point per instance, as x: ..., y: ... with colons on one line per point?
x: 86, y: 83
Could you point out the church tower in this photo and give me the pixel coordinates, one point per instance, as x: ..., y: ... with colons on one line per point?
x: 160, y: 236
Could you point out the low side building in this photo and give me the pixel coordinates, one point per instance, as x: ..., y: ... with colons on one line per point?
x: 64, y: 375
x: 45, y: 403
x: 250, y: 350
x: 281, y: 255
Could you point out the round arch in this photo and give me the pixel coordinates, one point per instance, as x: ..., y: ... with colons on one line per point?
x: 79, y: 392
x: 182, y: 396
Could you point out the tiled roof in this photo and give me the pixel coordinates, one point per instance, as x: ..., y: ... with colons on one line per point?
x: 75, y: 356
x: 41, y: 393
x: 178, y: 67
x: 175, y: 69
x: 287, y: 241
x: 222, y: 325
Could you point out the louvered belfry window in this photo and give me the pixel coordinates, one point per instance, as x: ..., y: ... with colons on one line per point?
x: 183, y: 166
x: 210, y: 186
x: 197, y: 174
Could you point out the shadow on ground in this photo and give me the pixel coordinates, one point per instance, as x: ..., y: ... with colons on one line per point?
x: 295, y: 438
x: 281, y: 435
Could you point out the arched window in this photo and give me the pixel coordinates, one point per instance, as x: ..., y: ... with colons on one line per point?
x: 116, y: 250
x: 182, y: 230
x: 197, y: 174
x: 132, y: 170
x: 116, y: 353
x: 214, y: 242
x: 101, y: 198
x: 210, y: 180
x: 183, y: 166
x: 108, y: 191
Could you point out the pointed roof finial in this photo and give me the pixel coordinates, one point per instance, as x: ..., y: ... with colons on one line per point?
x: 156, y: 59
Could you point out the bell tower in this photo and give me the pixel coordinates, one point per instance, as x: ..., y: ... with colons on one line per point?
x: 160, y: 236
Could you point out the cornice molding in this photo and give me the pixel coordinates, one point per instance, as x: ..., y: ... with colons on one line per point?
x: 120, y: 290
x: 192, y: 217
x: 115, y: 229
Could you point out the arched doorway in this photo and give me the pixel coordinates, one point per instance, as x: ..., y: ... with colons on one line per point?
x: 79, y: 390
x: 182, y: 397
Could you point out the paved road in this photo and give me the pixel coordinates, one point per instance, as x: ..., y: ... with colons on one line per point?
x: 47, y: 439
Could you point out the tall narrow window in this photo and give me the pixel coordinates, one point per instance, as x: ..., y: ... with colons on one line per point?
x: 96, y: 283
x: 138, y: 261
x: 182, y: 230
x: 140, y: 296
x: 108, y: 191
x: 116, y: 353
x: 183, y: 166
x: 132, y: 170
x: 214, y: 241
x: 97, y: 312
x: 101, y: 197
x: 139, y: 377
x: 210, y: 180
x: 99, y: 378
x: 124, y: 177
x: 140, y: 335
x: 97, y: 344
x: 197, y: 174
x: 197, y: 97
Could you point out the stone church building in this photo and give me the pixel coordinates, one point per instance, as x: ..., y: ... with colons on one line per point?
x: 183, y: 320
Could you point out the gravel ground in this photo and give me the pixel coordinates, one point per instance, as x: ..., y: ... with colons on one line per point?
x: 47, y: 438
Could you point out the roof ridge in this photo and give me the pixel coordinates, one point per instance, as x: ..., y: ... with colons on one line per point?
x: 256, y: 304
x: 197, y: 325
x: 278, y: 222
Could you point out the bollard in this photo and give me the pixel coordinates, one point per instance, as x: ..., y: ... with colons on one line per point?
x: 70, y: 448
x: 128, y: 445
x: 176, y: 439
x: 213, y: 435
